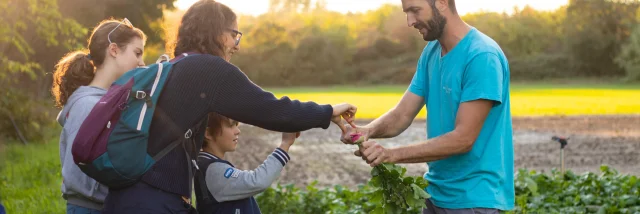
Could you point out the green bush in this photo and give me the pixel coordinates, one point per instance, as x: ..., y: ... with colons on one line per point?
x: 541, y: 66
x: 22, y: 67
x: 607, y: 192
x: 30, y: 116
x: 629, y: 58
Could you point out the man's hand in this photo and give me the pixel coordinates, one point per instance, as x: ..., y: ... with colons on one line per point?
x: 350, y: 131
x: 346, y: 111
x: 374, y: 153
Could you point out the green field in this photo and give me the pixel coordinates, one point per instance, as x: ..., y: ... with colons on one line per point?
x: 30, y: 178
x: 527, y: 99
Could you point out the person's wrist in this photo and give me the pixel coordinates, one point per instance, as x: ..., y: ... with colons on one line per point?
x: 393, y: 155
x: 285, y: 146
x: 368, y: 131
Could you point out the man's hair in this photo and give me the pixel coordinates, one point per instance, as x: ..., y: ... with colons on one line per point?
x: 216, y: 123
x: 452, y: 5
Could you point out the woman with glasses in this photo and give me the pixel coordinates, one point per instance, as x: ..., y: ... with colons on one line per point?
x: 80, y: 79
x: 204, y: 82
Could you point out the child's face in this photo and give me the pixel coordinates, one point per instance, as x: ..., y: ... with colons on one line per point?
x: 227, y: 141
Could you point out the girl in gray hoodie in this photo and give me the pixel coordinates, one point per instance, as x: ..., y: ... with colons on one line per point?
x: 81, y: 78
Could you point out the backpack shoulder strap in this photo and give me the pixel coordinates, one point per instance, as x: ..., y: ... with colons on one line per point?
x: 187, y: 136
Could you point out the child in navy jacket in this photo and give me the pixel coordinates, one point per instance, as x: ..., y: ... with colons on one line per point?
x: 222, y: 188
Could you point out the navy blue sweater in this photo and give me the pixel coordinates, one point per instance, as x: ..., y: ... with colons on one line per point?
x: 202, y: 84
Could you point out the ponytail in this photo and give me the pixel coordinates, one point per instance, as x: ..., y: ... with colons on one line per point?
x: 74, y: 70
x: 78, y: 68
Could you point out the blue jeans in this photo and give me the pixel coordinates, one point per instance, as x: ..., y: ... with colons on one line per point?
x: 74, y: 209
x: 433, y: 209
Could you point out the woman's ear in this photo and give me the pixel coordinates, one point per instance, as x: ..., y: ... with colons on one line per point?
x: 113, y: 50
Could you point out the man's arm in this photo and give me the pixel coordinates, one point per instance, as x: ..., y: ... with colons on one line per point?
x: 398, y: 119
x: 482, y: 89
x: 470, y: 118
x: 392, y: 123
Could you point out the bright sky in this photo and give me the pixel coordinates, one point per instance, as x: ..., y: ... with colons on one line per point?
x: 256, y: 7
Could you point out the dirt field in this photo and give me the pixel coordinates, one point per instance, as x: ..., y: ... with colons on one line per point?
x: 319, y: 155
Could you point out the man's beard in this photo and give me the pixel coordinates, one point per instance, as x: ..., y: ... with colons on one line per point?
x: 434, y: 27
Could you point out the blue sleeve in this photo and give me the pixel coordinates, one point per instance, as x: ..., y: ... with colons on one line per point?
x: 483, y: 79
x: 420, y: 84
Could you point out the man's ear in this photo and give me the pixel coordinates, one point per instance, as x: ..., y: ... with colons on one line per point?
x: 442, y: 5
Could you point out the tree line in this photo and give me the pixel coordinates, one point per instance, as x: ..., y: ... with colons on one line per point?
x: 308, y: 45
x: 302, y: 43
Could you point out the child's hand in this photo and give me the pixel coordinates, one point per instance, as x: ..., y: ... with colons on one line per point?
x: 288, y: 139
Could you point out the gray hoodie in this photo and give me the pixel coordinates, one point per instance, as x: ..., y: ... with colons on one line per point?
x: 78, y: 188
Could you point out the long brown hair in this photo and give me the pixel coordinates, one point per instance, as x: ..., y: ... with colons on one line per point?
x: 202, y: 27
x: 77, y: 68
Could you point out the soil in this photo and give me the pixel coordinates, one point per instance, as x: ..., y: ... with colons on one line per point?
x: 319, y: 155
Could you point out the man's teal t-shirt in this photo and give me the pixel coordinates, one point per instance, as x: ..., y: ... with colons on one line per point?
x: 476, y: 68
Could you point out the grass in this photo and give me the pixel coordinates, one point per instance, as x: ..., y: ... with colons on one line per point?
x: 527, y: 99
x: 30, y: 178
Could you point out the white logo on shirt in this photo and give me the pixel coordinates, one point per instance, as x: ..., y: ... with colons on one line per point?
x: 446, y: 90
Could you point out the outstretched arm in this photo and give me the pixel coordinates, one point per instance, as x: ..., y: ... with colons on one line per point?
x: 392, y: 123
x: 398, y: 119
x: 482, y: 89
x: 227, y: 183
x: 229, y: 92
x: 470, y: 118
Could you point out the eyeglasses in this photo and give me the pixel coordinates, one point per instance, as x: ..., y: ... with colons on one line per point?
x: 238, y: 36
x: 125, y: 21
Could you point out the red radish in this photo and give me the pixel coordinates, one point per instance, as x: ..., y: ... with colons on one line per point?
x: 356, y: 138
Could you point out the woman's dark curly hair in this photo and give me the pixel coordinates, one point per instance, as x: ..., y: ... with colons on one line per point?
x: 202, y: 27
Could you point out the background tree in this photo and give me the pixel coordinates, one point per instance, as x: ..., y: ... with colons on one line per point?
x: 143, y: 14
x: 594, y: 33
x: 29, y: 26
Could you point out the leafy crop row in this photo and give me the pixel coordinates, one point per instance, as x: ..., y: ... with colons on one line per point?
x: 605, y: 192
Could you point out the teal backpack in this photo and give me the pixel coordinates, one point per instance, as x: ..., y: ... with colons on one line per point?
x: 111, y: 145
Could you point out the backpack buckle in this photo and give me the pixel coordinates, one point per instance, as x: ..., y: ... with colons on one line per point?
x: 163, y: 58
x: 122, y: 106
x: 195, y: 164
x: 188, y: 134
x: 141, y: 95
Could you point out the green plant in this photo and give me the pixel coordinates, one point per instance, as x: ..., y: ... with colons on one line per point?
x: 395, y: 193
x: 608, y: 192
